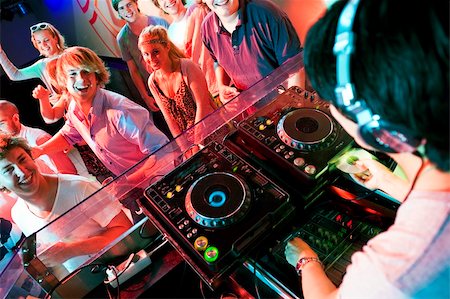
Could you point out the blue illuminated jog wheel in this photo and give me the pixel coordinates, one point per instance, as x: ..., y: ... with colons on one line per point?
x: 218, y: 199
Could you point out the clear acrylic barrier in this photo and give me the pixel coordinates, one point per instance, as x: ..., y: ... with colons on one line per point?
x: 129, y: 187
x: 15, y: 282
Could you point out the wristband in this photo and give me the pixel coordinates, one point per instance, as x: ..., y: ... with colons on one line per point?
x: 305, y: 260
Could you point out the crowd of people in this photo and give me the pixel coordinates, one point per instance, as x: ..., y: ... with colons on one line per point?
x: 210, y: 52
x: 104, y: 133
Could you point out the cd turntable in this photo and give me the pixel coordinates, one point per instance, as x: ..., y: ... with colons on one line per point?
x: 214, y: 209
x: 295, y: 134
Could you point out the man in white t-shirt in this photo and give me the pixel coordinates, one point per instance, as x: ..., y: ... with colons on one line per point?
x: 43, y: 198
x: 10, y: 123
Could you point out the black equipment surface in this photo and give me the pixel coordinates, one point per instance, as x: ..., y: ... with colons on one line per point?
x: 335, y: 231
x: 214, y: 209
x: 296, y: 133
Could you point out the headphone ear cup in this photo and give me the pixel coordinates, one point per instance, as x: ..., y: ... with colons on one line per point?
x: 387, y: 137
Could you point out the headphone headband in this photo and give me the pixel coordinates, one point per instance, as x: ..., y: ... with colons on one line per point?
x: 374, y: 131
x: 343, y: 49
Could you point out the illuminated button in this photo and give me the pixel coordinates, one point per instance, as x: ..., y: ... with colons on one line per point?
x: 269, y: 122
x: 181, y: 226
x: 282, y: 146
x: 310, y: 169
x: 178, y: 188
x: 261, y: 127
x: 299, y: 162
x: 211, y: 254
x: 349, y: 224
x: 201, y: 243
x: 169, y: 194
x: 186, y: 222
x: 189, y: 235
x: 278, y: 150
x: 194, y: 231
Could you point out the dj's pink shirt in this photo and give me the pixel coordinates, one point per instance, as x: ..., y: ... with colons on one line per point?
x: 411, y: 259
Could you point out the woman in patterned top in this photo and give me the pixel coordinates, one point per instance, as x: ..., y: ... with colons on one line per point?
x: 177, y: 84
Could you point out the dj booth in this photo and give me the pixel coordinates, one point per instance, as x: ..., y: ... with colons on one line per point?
x: 269, y: 165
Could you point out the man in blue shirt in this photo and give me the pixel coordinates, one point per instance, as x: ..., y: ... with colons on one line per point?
x: 248, y: 39
x: 127, y: 39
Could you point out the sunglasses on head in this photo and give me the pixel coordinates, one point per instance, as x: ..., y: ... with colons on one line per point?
x: 40, y: 26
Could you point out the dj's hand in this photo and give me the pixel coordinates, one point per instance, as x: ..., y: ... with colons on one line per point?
x: 375, y: 173
x: 382, y: 178
x: 296, y: 249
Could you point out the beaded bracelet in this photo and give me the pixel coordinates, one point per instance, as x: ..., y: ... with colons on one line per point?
x: 303, y: 261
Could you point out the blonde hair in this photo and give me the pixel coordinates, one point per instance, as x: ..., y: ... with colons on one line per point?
x: 81, y: 57
x: 54, y: 32
x: 50, y: 68
x: 157, y: 34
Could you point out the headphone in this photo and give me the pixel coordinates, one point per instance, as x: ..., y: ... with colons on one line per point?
x: 376, y: 132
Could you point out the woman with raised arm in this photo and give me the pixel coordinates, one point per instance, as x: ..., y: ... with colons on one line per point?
x: 50, y: 43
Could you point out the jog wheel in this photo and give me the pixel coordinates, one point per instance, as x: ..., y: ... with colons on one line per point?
x: 218, y: 200
x: 307, y: 129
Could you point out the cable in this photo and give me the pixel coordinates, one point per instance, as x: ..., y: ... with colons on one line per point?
x: 108, y: 291
x: 117, y: 278
x: 117, y: 281
x: 118, y: 284
x: 118, y: 273
x: 128, y: 263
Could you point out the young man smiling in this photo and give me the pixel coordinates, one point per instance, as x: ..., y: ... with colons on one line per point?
x: 127, y: 39
x: 42, y: 198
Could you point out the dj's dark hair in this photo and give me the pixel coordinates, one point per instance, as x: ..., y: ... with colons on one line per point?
x: 400, y: 65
